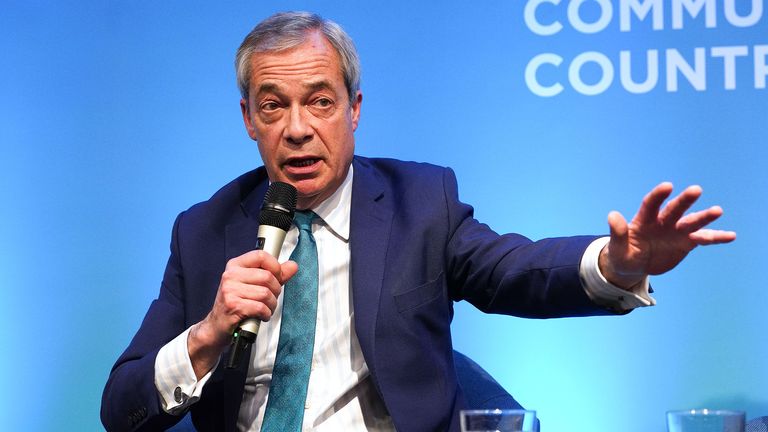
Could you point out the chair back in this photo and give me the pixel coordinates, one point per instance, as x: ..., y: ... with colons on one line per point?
x: 759, y: 424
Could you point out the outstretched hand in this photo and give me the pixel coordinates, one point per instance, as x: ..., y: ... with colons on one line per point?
x: 657, y: 239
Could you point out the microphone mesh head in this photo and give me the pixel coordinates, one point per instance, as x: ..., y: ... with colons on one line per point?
x: 278, y: 206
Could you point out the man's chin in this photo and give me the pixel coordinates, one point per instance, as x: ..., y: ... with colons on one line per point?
x: 309, y: 194
x: 312, y: 190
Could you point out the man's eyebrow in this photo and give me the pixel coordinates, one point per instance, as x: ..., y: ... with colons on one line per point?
x: 318, y: 85
x: 268, y: 88
x: 311, y: 86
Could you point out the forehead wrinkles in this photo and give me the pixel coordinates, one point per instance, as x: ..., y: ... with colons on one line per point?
x: 313, y: 60
x: 286, y: 67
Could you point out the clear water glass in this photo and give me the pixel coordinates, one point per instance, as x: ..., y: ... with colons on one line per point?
x: 705, y: 420
x: 498, y: 421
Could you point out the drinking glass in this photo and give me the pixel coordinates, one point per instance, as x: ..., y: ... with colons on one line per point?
x: 705, y: 420
x: 498, y: 421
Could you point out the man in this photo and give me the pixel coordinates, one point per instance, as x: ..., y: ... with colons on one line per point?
x: 394, y: 249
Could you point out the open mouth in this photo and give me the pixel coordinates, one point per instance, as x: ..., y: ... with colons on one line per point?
x: 302, y: 162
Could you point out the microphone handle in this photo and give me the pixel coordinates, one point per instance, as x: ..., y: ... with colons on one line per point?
x: 270, y: 239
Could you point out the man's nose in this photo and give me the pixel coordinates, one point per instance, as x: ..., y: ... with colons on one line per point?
x: 298, y: 130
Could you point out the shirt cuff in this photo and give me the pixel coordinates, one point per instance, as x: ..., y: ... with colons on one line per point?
x: 175, y: 378
x: 605, y: 293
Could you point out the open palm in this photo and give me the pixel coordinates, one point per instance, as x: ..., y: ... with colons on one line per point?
x: 657, y: 239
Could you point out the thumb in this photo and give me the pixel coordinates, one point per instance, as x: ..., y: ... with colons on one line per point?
x: 619, y: 232
x: 287, y: 270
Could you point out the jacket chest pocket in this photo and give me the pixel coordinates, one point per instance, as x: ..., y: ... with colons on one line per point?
x: 420, y: 295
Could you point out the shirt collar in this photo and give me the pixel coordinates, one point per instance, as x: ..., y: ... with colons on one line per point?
x: 334, y: 211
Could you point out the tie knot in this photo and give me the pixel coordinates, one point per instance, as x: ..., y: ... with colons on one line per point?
x: 303, y: 219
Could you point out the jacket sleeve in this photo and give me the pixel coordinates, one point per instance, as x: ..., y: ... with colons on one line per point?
x: 510, y: 274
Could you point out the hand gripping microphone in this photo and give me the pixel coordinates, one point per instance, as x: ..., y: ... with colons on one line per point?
x: 275, y: 219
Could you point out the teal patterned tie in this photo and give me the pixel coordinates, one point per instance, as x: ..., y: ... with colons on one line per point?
x: 290, y: 375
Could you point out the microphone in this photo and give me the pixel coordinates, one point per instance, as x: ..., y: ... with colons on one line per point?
x: 275, y: 219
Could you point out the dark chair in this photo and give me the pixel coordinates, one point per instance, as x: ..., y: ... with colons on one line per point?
x: 759, y: 424
x: 480, y: 389
x: 185, y: 425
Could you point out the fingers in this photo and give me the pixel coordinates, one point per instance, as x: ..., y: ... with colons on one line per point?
x: 288, y: 270
x: 253, y: 277
x: 256, y: 259
x: 616, y: 262
x: 248, y: 301
x: 262, y: 260
x: 253, y: 292
x: 649, y: 209
x: 619, y: 231
x: 677, y: 207
x: 694, y: 223
x: 698, y: 220
x: 250, y: 286
x: 709, y: 237
x: 237, y: 300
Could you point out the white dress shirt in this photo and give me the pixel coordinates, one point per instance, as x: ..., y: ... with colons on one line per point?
x: 341, y: 395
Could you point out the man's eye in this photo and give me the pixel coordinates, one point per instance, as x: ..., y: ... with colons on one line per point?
x: 323, y: 102
x: 269, y: 106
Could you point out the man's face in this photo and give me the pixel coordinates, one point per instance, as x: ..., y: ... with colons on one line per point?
x: 299, y: 112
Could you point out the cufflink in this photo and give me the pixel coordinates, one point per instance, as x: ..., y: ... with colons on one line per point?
x: 178, y: 395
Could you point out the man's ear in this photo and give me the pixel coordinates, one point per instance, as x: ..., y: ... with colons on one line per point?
x: 355, y: 107
x: 247, y: 119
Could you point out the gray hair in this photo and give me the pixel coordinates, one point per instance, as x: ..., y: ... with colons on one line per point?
x: 286, y: 30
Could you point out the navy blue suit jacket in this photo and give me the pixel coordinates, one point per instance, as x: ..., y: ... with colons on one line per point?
x: 415, y: 249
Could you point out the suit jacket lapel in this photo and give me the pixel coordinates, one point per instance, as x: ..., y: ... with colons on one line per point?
x: 370, y: 226
x: 242, y: 233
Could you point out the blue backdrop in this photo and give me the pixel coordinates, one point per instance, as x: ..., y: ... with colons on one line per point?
x: 116, y: 116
